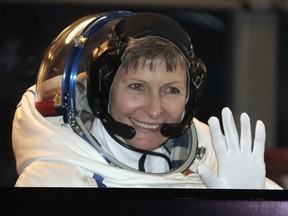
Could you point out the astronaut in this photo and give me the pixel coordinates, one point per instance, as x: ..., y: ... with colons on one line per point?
x: 114, y: 106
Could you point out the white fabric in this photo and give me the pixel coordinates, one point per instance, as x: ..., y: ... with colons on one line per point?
x: 49, y: 154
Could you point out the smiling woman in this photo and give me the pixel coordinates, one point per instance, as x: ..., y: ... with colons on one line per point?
x: 148, y: 95
x: 115, y: 106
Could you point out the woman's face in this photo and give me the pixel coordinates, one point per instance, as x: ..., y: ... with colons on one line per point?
x: 146, y: 100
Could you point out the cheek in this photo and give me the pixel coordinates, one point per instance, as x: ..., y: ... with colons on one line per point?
x: 121, y: 104
x: 176, y: 110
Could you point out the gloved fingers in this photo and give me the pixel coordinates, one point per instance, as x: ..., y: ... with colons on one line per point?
x: 218, y: 138
x: 260, y: 138
x: 230, y: 130
x: 246, y: 137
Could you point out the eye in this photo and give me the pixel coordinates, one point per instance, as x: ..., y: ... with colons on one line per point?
x: 173, y: 90
x: 136, y: 86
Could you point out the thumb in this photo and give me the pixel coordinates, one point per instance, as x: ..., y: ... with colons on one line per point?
x: 205, y: 173
x: 208, y: 177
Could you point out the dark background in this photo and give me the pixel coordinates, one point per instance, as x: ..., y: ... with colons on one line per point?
x: 28, y: 29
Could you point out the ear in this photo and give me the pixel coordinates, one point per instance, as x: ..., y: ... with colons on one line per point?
x: 101, y: 73
x: 198, y: 73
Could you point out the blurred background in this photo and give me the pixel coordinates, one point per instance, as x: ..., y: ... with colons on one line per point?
x: 244, y: 45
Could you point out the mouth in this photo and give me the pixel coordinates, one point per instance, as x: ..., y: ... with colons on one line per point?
x: 145, y: 125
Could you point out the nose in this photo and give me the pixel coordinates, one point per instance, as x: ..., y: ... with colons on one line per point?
x: 154, y: 106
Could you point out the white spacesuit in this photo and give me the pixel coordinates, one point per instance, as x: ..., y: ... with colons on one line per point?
x: 60, y: 141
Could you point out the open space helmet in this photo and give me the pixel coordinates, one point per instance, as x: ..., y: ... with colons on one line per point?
x: 67, y: 59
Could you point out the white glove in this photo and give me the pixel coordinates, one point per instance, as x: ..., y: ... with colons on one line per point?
x: 240, y: 163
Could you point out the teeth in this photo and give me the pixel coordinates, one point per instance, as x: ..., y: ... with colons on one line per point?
x: 146, y: 126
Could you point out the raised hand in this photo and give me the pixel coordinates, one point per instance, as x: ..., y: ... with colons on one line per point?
x: 240, y: 161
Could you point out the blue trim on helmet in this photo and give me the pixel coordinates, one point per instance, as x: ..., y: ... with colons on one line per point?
x: 72, y: 62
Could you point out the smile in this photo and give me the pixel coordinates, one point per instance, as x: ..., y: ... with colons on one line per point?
x: 145, y: 126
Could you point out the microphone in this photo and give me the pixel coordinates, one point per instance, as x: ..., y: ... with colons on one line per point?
x: 111, y: 125
x: 128, y: 132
